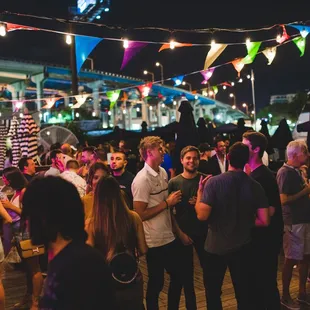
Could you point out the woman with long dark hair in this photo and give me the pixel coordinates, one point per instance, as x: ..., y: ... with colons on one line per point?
x: 114, y: 229
x: 14, y: 178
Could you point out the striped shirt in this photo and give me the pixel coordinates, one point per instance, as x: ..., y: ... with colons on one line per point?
x: 152, y: 188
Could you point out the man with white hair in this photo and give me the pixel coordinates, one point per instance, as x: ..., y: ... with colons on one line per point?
x: 294, y: 195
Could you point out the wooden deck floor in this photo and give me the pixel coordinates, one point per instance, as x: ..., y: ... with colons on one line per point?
x: 14, y: 285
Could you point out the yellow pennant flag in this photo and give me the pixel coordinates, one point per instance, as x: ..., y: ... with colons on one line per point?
x: 270, y: 54
x: 215, y: 51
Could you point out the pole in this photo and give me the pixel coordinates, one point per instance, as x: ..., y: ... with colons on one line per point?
x: 74, y: 78
x: 162, y: 74
x: 253, y: 97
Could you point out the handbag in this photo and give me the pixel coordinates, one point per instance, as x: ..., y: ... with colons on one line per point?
x: 27, y: 249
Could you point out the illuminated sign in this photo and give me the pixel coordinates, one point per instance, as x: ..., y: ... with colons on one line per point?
x: 82, y: 5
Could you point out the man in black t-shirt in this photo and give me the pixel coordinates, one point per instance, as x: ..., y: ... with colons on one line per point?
x: 78, y: 277
x: 266, y: 241
x: 192, y: 230
x: 205, y: 154
x: 118, y: 164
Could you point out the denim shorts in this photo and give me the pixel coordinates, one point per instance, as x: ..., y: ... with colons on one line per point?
x: 296, y: 241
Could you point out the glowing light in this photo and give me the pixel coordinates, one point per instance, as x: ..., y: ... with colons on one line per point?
x: 48, y: 133
x: 2, y: 30
x: 106, y: 9
x: 247, y: 41
x: 234, y: 107
x: 138, y: 109
x: 145, y: 72
x: 231, y: 95
x: 196, y: 97
x: 0, y: 114
x: 269, y: 115
x: 59, y: 115
x: 211, y: 93
x: 98, y: 17
x: 146, y: 91
x: 174, y: 103
x: 40, y: 115
x: 21, y: 115
x: 252, y: 112
x: 68, y: 39
x: 304, y: 33
x: 218, y: 116
x: 183, y: 83
x: 248, y: 76
x: 244, y: 105
x: 93, y: 114
x: 157, y: 64
x: 172, y: 44
x: 178, y: 82
x: 77, y: 114
x: 232, y: 83
x: 224, y: 87
x: 212, y: 43
x: 126, y: 43
x: 289, y: 122
x: 163, y: 105
x: 240, y: 81
x: 278, y: 39
x: 19, y: 104
x: 151, y: 108
x: 109, y: 113
x: 124, y: 111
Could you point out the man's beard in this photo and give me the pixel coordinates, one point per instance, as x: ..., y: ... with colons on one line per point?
x: 117, y: 169
x: 193, y: 170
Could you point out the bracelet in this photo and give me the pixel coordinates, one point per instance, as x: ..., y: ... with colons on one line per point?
x: 167, y: 206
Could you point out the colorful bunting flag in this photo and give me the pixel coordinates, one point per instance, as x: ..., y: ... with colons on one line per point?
x: 238, y: 65
x: 175, y: 44
x: 215, y: 89
x: 301, y: 44
x: 145, y: 89
x: 132, y: 50
x: 11, y: 27
x: 215, y: 51
x: 80, y: 101
x: 284, y: 37
x: 252, y: 48
x: 113, y: 96
x: 207, y: 75
x: 270, y: 54
x: 304, y: 30
x: 226, y: 84
x: 178, y: 80
x: 49, y: 103
x: 83, y: 47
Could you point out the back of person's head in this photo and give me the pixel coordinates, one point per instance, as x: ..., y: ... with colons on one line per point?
x: 23, y: 162
x: 66, y: 148
x: 256, y: 139
x: 189, y: 148
x: 72, y: 164
x: 294, y: 148
x: 92, y: 170
x: 55, y: 146
x: 89, y: 149
x: 53, y: 207
x: 238, y: 155
x: 53, y: 154
x: 149, y: 143
x: 15, y: 178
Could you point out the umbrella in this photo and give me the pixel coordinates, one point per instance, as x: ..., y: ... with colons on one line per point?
x: 27, y: 134
x: 203, y: 132
x: 3, y: 133
x: 187, y: 133
x: 12, y: 134
x: 305, y: 127
x: 264, y: 130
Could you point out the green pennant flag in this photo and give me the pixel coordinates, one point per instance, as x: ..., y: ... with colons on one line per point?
x: 215, y: 89
x: 252, y: 48
x: 113, y: 95
x: 301, y: 44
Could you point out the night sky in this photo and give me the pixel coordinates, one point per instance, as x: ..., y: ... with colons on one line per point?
x: 288, y: 73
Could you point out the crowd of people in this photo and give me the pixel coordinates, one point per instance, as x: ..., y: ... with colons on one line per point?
x: 97, y: 210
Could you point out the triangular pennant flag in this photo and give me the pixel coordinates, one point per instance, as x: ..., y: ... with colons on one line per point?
x: 11, y: 27
x: 175, y: 44
x: 125, y: 96
x: 238, y: 65
x: 270, y: 54
x: 226, y: 84
x: 252, y: 48
x: 301, y: 44
x: 207, y: 75
x: 80, y: 101
x: 304, y: 30
x: 113, y: 96
x: 145, y: 89
x: 178, y: 80
x: 83, y: 47
x: 215, y: 89
x: 49, y: 102
x: 215, y: 51
x: 284, y: 37
x: 132, y: 50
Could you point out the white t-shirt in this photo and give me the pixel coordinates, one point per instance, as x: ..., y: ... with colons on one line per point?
x: 76, y: 180
x: 152, y: 187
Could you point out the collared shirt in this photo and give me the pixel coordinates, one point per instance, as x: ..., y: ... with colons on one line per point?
x: 152, y: 188
x: 53, y: 172
x: 76, y: 180
x: 222, y: 164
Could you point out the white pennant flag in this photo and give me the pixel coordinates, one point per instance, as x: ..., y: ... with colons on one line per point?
x: 215, y: 51
x: 270, y: 54
x: 80, y: 101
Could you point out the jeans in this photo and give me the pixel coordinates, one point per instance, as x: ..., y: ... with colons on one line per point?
x: 215, y: 267
x: 159, y: 259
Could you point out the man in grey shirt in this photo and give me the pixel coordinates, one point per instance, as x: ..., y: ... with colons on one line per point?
x: 233, y: 203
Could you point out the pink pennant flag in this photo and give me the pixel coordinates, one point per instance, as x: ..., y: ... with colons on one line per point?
x: 207, y: 75
x: 11, y: 27
x: 284, y: 37
x: 132, y: 50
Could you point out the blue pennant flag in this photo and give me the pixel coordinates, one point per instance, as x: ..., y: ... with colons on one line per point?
x: 178, y: 80
x: 83, y: 47
x: 304, y: 30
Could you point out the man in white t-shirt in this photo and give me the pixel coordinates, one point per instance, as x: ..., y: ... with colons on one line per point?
x: 152, y: 203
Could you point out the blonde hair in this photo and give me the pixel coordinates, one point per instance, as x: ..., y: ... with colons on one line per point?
x: 295, y: 147
x: 149, y: 143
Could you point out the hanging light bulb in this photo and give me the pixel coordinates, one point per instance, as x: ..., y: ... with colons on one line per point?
x: 240, y: 80
x: 138, y: 109
x: 151, y: 108
x: 248, y: 76
x: 126, y: 43
x: 109, y: 113
x: 172, y: 44
x: 163, y: 105
x: 2, y: 30
x: 77, y: 114
x: 68, y: 39
x: 124, y: 111
x: 224, y: 87
x: 232, y: 83
x: 94, y: 114
x: 247, y: 41
x: 212, y: 43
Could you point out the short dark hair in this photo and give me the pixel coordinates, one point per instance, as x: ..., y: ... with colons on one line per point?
x: 238, y: 155
x: 217, y: 140
x: 62, y: 213
x: 89, y: 149
x: 15, y: 178
x: 53, y: 153
x: 121, y: 152
x: 257, y: 139
x: 72, y: 164
x: 189, y: 148
x: 23, y: 162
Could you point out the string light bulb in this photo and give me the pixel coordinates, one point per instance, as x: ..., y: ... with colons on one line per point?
x: 109, y: 113
x: 3, y: 30
x: 248, y: 76
x: 247, y: 41
x: 232, y: 83
x: 172, y: 44
x: 278, y: 39
x: 212, y: 43
x: 68, y: 39
x: 224, y: 87
x: 240, y: 80
x: 211, y: 93
x: 77, y: 114
x: 138, y: 109
x: 126, y: 43
x: 94, y: 114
